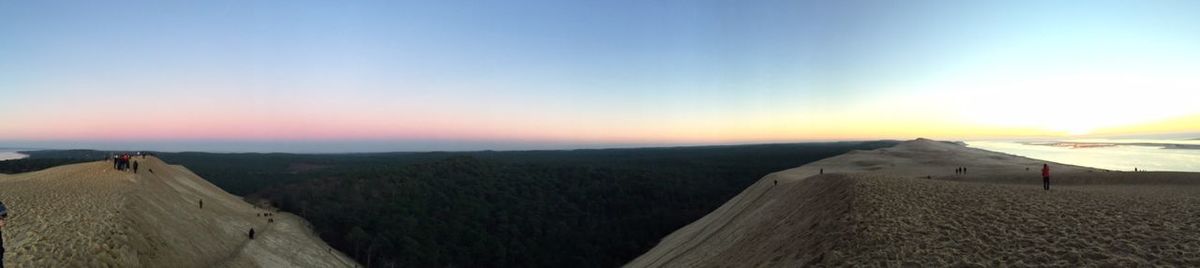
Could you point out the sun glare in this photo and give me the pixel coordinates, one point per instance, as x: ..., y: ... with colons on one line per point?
x: 1078, y: 131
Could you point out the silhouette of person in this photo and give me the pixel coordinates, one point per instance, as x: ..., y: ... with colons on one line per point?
x: 1046, y: 176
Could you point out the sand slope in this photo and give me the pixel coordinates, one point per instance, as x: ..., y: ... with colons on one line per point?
x: 91, y: 215
x: 905, y: 206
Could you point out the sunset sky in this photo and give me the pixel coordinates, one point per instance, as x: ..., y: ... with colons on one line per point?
x: 434, y: 75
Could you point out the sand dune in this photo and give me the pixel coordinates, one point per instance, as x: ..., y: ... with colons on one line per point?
x: 91, y: 215
x: 905, y: 206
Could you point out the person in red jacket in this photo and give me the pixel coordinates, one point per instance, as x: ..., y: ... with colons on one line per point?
x: 1046, y: 176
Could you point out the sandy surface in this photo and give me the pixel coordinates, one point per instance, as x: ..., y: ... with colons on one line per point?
x: 905, y: 206
x: 91, y: 215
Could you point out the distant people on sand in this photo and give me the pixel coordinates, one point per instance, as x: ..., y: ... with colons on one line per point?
x: 135, y: 166
x: 201, y: 203
x: 251, y: 233
x: 1046, y: 176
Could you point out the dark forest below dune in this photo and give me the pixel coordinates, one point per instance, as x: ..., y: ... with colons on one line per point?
x: 565, y: 208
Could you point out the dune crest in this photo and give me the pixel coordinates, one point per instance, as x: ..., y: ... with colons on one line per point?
x: 91, y: 215
x: 906, y: 206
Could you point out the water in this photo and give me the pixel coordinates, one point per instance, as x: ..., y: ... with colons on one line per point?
x: 1108, y: 154
x: 6, y: 154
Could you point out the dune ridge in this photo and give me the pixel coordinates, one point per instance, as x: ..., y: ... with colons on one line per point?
x: 91, y: 215
x: 906, y: 206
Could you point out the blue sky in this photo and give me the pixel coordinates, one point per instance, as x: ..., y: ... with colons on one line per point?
x: 575, y: 73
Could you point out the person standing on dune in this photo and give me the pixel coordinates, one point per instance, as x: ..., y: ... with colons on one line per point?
x: 1046, y: 176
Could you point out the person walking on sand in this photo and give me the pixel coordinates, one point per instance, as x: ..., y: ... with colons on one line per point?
x: 1046, y: 176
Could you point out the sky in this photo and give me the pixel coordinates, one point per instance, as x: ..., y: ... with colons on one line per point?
x: 469, y: 75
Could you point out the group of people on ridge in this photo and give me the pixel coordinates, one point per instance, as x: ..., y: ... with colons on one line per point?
x: 123, y: 162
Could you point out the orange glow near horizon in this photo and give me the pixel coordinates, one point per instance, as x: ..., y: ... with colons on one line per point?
x: 749, y: 131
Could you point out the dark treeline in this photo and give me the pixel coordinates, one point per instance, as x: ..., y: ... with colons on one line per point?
x: 34, y: 164
x: 78, y: 155
x: 576, y: 208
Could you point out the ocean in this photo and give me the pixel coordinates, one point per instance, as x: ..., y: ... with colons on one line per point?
x: 1110, y: 154
x: 6, y: 154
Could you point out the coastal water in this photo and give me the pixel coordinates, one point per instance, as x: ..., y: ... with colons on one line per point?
x: 1124, y: 155
x: 10, y: 155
